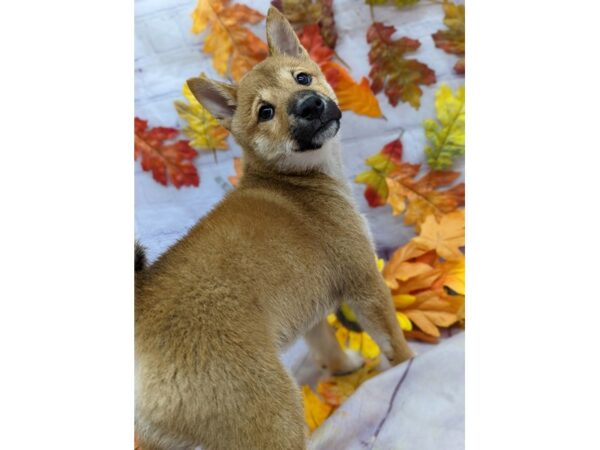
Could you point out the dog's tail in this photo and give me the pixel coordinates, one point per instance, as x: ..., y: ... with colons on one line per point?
x: 140, y: 261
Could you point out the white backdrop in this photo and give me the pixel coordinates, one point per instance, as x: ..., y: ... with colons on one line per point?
x: 428, y: 410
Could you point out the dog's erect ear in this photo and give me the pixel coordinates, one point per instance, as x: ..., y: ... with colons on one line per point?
x: 218, y: 98
x: 281, y: 37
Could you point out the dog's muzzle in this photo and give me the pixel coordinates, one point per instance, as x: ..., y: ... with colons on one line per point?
x: 315, y: 119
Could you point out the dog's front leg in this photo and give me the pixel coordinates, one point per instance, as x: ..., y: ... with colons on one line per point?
x: 372, y: 302
x: 327, y: 352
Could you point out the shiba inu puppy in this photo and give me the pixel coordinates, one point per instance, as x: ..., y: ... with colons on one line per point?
x: 264, y: 267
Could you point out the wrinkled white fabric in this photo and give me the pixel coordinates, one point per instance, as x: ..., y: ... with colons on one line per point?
x: 418, y: 405
x: 427, y: 412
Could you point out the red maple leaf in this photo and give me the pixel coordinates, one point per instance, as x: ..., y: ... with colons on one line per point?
x: 398, y: 77
x: 381, y: 164
x: 312, y: 41
x: 167, y: 161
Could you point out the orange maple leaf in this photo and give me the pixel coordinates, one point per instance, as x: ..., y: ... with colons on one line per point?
x: 418, y: 199
x: 391, y: 180
x: 237, y: 166
x: 234, y: 48
x: 421, y: 283
x: 445, y: 237
x: 389, y: 159
x: 166, y: 161
x: 352, y: 96
x: 432, y: 310
x: 403, y: 265
x: 452, y: 40
x: 390, y: 70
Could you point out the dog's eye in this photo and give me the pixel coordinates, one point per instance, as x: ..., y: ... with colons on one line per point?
x: 266, y: 112
x: 303, y: 78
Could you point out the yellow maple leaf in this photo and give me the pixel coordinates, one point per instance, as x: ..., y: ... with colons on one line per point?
x: 380, y: 264
x: 446, y: 135
x: 234, y: 48
x: 454, y: 275
x: 202, y: 128
x: 359, y: 342
x: 445, y: 236
x: 403, y: 300
x: 315, y: 409
x: 404, y: 321
x: 220, y: 46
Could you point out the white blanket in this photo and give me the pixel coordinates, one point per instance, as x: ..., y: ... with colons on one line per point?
x: 426, y: 404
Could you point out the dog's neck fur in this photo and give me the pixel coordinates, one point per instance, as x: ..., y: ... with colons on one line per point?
x: 297, y: 168
x: 326, y: 160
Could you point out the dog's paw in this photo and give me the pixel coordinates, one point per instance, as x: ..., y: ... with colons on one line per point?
x: 351, y: 363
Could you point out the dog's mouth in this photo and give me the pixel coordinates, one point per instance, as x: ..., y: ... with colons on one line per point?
x: 321, y: 135
x: 311, y: 135
x: 314, y: 119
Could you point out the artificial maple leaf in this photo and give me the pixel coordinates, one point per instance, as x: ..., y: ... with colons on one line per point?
x: 430, y: 311
x: 445, y: 237
x: 446, y: 135
x: 237, y: 166
x: 418, y: 335
x: 352, y: 96
x: 392, y: 180
x: 398, y: 77
x: 315, y: 409
x: 408, y: 270
x: 304, y: 12
x: 299, y: 12
x: 202, y: 128
x: 359, y: 342
x: 416, y: 284
x: 167, y: 161
x: 418, y: 199
x: 327, y: 23
x: 312, y: 40
x: 337, y: 389
x: 421, y: 297
x: 382, y: 163
x: 454, y: 275
x: 452, y: 40
x: 402, y: 265
x: 234, y: 48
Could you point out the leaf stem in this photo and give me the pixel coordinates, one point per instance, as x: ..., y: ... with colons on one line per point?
x: 448, y: 130
x: 341, y: 60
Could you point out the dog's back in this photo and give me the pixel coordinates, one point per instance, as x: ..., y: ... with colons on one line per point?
x: 213, y: 312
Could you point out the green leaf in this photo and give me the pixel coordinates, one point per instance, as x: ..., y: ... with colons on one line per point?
x: 446, y: 135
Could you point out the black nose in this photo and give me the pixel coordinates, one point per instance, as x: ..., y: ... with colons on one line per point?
x: 310, y: 107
